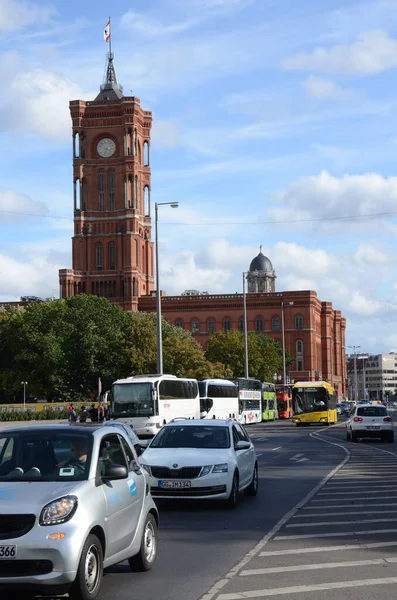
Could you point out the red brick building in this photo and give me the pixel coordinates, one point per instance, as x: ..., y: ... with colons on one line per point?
x: 113, y: 251
x: 112, y: 247
x: 314, y: 331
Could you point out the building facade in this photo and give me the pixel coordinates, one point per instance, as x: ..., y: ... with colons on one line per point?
x: 314, y: 332
x: 112, y: 248
x: 375, y: 376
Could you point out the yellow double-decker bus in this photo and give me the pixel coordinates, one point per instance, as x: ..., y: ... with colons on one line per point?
x: 313, y: 402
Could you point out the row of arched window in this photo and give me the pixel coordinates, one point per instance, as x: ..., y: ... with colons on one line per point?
x: 227, y: 324
x: 131, y: 146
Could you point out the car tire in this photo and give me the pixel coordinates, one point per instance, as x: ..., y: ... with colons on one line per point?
x: 233, y: 496
x: 354, y: 437
x: 252, y: 489
x: 89, y: 572
x: 146, y: 557
x: 390, y: 437
x: 348, y: 437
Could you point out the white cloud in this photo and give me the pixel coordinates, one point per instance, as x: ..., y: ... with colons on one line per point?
x: 307, y: 262
x: 14, y: 207
x: 368, y: 254
x: 319, y: 87
x: 198, y: 11
x: 326, y: 196
x: 166, y: 133
x: 38, y: 277
x: 182, y: 272
x: 17, y: 14
x: 37, y: 102
x: 371, y: 53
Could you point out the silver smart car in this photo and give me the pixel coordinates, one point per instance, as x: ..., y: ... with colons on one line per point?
x: 73, y: 500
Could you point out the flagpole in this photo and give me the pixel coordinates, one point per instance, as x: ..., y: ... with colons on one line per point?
x: 110, y: 40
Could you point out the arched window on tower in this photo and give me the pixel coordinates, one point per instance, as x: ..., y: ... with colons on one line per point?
x: 77, y: 194
x: 195, y: 326
x: 259, y: 324
x: 227, y: 325
x: 276, y: 324
x: 299, y: 355
x: 111, y: 182
x: 101, y: 189
x: 211, y: 325
x: 241, y: 324
x: 135, y: 143
x: 136, y: 198
x: 99, y: 257
x: 146, y: 155
x: 112, y: 255
x: 76, y: 144
x: 298, y: 322
x: 146, y: 195
x: 179, y: 323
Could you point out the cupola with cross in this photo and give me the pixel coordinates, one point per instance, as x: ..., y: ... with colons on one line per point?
x: 261, y: 276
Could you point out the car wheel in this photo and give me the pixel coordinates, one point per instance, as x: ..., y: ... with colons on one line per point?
x: 252, y: 489
x: 233, y: 496
x: 348, y: 435
x: 390, y: 437
x: 145, y: 559
x: 354, y: 437
x: 89, y: 572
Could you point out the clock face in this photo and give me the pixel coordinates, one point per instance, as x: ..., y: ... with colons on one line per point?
x: 106, y: 147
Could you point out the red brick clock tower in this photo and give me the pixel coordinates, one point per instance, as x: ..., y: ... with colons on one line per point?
x: 112, y: 247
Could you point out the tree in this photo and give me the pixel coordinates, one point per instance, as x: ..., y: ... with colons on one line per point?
x: 182, y: 354
x: 264, y: 353
x: 62, y: 347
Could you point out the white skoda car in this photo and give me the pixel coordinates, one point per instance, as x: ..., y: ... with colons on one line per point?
x: 201, y: 459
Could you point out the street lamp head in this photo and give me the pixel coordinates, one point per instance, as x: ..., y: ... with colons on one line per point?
x: 174, y: 204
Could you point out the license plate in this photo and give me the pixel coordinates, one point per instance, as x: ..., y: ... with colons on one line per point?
x: 8, y: 552
x: 174, y: 484
x: 372, y: 427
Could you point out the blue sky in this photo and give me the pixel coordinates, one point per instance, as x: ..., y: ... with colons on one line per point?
x: 274, y: 124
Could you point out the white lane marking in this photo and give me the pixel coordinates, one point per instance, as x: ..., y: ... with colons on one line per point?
x: 354, y: 512
x: 318, y: 566
x: 278, y: 448
x: 333, y: 534
x: 359, y: 486
x: 358, y: 493
x: 347, y: 522
x: 296, y: 456
x: 330, y: 548
x: 303, y: 589
x: 261, y: 439
x: 259, y: 455
x: 211, y: 593
x: 392, y: 496
x: 310, y: 507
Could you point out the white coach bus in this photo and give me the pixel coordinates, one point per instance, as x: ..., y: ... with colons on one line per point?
x: 149, y: 401
x: 218, y: 399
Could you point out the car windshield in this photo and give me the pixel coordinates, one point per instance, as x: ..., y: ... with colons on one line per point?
x: 192, y: 436
x: 45, y: 455
x: 371, y: 411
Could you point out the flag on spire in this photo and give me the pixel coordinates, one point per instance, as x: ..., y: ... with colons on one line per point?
x: 106, y: 32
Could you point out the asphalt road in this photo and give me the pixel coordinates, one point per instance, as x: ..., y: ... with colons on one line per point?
x: 200, y: 543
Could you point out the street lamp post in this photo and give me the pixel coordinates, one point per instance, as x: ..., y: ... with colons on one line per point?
x: 355, y: 371
x: 283, y: 341
x: 158, y: 293
x: 246, y: 371
x: 24, y: 383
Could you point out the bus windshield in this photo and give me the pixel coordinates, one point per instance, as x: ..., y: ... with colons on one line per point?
x: 309, y: 399
x: 133, y: 400
x: 282, y: 405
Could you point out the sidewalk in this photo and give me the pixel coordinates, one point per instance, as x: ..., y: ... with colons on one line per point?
x: 4, y: 424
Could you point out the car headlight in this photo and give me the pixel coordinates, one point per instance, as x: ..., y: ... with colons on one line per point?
x: 147, y: 468
x: 222, y: 468
x: 205, y: 470
x: 59, y: 511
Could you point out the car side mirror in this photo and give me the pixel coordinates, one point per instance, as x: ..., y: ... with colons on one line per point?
x: 115, y: 472
x: 242, y: 445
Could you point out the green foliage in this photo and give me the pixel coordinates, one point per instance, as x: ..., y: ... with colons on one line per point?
x: 45, y: 415
x: 264, y: 353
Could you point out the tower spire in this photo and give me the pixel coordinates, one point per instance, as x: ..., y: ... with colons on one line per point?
x: 110, y: 89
